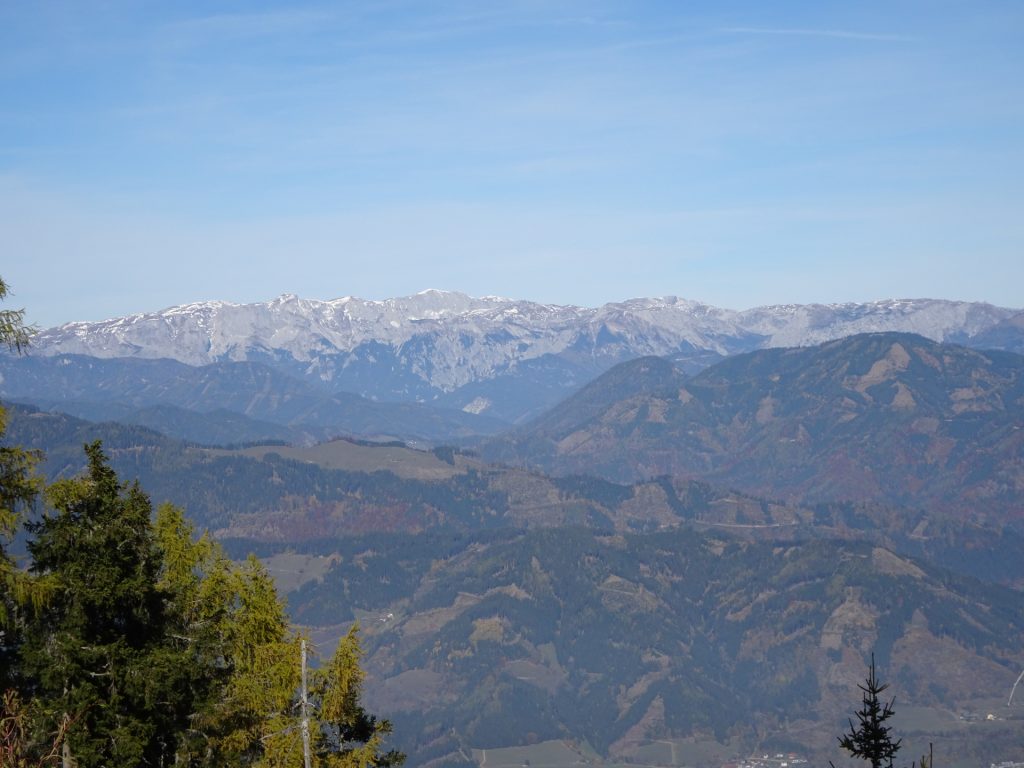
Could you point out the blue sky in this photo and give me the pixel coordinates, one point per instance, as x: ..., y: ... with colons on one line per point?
x: 738, y: 153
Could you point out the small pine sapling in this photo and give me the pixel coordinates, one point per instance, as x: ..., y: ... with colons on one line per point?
x: 870, y: 738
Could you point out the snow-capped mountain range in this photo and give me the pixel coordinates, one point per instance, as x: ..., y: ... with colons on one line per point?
x: 506, y: 357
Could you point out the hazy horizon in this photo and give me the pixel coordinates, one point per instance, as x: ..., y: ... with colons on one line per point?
x: 155, y: 310
x: 739, y: 154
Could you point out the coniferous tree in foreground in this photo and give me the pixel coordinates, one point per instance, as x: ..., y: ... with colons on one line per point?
x: 197, y: 579
x: 18, y: 490
x: 98, y: 655
x: 870, y: 739
x: 14, y: 334
x: 19, y: 593
x: 347, y: 736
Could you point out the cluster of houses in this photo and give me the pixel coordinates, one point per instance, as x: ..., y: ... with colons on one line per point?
x: 778, y: 760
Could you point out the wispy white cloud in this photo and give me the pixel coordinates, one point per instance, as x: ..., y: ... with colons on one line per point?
x: 841, y: 34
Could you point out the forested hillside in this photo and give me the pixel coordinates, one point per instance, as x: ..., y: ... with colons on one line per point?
x: 889, y: 418
x: 620, y: 640
x: 274, y: 497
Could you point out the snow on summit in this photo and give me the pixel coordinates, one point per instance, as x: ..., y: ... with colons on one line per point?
x: 449, y: 339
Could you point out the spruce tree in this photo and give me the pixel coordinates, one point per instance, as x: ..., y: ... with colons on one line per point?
x: 870, y: 738
x: 97, y: 654
x: 18, y: 490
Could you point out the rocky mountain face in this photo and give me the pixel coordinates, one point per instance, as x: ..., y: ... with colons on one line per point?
x: 895, y: 418
x: 504, y: 358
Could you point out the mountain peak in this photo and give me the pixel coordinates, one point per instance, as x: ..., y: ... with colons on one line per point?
x: 433, y: 343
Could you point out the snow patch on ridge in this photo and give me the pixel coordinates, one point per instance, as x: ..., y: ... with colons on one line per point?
x: 448, y: 339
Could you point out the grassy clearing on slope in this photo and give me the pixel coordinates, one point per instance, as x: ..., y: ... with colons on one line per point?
x: 407, y: 463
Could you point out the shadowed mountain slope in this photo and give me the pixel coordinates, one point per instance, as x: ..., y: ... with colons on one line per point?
x: 646, y: 376
x: 251, y: 389
x: 621, y: 641
x: 214, y: 428
x: 884, y: 417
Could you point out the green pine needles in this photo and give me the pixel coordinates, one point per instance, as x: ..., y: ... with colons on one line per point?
x: 13, y: 331
x: 870, y: 738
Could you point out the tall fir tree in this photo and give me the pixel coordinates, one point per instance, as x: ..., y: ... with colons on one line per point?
x: 98, y: 653
x: 18, y: 490
x: 19, y: 487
